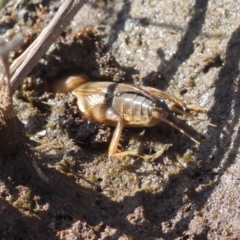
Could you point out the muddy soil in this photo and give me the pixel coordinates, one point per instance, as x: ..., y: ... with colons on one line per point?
x: 190, y: 49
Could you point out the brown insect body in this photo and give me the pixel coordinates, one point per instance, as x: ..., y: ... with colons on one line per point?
x: 123, y: 105
x: 133, y: 108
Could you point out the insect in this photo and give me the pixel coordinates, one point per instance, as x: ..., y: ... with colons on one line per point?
x: 124, y: 105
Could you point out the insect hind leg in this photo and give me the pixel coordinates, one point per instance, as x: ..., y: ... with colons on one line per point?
x: 105, y: 114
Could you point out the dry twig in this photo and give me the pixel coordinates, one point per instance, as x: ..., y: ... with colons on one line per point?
x: 23, y: 65
x: 10, y: 127
x: 7, y: 115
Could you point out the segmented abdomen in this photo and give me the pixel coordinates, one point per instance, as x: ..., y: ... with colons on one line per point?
x: 134, y: 109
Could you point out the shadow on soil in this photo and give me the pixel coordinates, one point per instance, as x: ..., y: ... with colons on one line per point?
x: 78, y: 203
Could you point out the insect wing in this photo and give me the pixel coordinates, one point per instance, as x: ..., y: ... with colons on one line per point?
x: 160, y: 94
x: 91, y: 88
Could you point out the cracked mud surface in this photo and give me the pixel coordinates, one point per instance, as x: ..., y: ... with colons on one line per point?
x: 189, y: 49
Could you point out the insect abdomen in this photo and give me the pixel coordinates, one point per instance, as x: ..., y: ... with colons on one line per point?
x: 134, y: 109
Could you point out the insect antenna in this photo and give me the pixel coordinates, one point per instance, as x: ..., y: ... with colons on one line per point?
x: 184, y: 113
x: 158, y: 116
